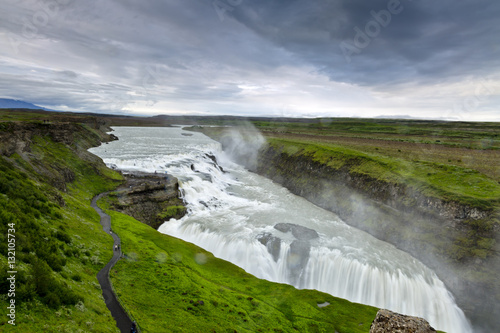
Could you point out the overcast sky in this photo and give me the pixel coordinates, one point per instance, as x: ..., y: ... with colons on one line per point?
x: 312, y: 58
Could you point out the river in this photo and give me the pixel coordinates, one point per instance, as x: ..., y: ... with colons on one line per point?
x: 233, y: 213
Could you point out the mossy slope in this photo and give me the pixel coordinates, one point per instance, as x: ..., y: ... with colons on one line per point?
x: 447, y: 182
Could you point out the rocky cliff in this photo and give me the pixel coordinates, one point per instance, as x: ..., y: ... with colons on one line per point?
x: 47, y: 179
x: 20, y: 138
x: 430, y: 228
x: 149, y: 198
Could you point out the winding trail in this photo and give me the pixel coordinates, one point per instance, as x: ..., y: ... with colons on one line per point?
x: 123, y: 322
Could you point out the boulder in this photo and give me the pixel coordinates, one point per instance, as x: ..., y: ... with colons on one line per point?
x: 272, y: 243
x: 298, y: 231
x: 390, y: 322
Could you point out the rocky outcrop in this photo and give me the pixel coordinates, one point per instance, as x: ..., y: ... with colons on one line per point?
x: 390, y: 322
x: 149, y: 198
x: 272, y: 243
x: 285, y: 168
x: 298, y: 231
x: 300, y: 248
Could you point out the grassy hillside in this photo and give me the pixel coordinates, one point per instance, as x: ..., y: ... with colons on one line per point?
x: 169, y: 285
x: 45, y: 193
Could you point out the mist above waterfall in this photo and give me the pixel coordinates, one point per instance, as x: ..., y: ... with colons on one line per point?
x: 242, y: 144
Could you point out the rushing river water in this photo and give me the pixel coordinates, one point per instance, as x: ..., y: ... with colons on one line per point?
x: 233, y: 213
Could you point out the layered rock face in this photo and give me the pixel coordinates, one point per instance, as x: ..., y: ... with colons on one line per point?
x: 20, y: 139
x: 150, y: 198
x: 390, y: 322
x: 17, y: 137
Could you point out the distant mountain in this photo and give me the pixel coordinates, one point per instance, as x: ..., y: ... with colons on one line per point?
x: 6, y: 103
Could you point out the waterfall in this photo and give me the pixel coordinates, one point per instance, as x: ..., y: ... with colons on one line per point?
x: 275, y: 235
x: 419, y: 294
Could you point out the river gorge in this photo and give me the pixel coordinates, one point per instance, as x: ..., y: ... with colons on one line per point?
x: 273, y: 234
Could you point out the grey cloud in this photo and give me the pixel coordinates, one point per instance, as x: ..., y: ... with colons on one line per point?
x: 106, y: 55
x: 426, y: 39
x: 67, y: 74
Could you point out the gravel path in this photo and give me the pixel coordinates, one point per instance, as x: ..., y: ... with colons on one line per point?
x: 123, y: 322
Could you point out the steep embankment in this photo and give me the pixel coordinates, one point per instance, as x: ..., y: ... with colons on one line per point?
x: 47, y: 180
x: 453, y: 233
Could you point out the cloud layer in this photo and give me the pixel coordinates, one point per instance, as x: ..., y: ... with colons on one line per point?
x: 255, y: 57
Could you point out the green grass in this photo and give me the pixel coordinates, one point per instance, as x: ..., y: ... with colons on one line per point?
x: 172, y: 211
x: 448, y: 182
x: 163, y: 279
x: 453, y: 134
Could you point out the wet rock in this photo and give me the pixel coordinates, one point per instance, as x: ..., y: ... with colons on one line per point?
x: 387, y: 321
x: 297, y: 259
x: 272, y: 243
x: 300, y: 249
x: 215, y: 163
x: 146, y: 196
x: 298, y: 231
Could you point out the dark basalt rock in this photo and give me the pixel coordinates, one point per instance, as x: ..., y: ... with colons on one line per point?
x: 272, y: 243
x: 300, y: 248
x: 298, y: 231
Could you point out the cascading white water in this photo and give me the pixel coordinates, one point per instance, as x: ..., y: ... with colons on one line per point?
x: 232, y: 213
